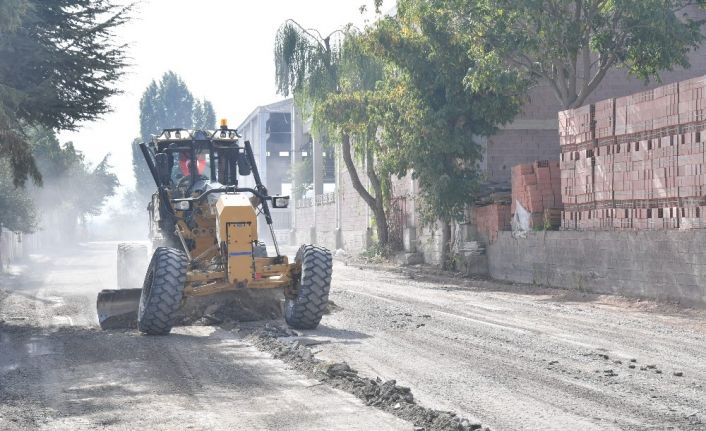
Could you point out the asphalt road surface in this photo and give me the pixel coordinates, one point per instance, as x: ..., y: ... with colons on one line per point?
x: 510, y: 357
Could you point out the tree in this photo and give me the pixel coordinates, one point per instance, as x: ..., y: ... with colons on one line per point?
x: 17, y: 212
x: 176, y: 103
x: 204, y: 116
x: 442, y: 119
x: 150, y: 112
x: 58, y: 64
x: 166, y: 105
x: 360, y: 112
x: 572, y: 44
x: 322, y: 72
x: 72, y: 189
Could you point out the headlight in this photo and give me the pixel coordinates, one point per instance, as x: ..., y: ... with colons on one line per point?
x: 182, y: 205
x: 280, y: 201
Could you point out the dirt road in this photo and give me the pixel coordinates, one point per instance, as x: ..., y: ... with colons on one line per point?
x: 509, y: 357
x: 58, y: 371
x: 523, y: 358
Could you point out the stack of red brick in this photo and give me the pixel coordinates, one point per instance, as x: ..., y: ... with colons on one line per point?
x: 640, y: 164
x: 537, y: 187
x: 490, y: 219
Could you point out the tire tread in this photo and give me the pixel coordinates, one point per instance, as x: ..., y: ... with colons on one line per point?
x: 158, y: 311
x: 306, y: 310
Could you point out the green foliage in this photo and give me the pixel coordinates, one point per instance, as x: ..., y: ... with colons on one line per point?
x: 359, y: 110
x: 436, y: 120
x: 571, y: 44
x: 175, y: 103
x: 11, y: 14
x: 204, y: 116
x: 150, y: 112
x: 72, y: 187
x: 306, y: 63
x: 303, y: 172
x: 314, y: 68
x: 376, y: 253
x: 17, y: 212
x: 57, y: 67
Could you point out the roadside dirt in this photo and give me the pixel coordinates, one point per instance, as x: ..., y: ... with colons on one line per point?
x: 520, y: 357
x: 385, y: 395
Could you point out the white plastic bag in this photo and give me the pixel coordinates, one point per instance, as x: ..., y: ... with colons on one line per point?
x: 520, y: 221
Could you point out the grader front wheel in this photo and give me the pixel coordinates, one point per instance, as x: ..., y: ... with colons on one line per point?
x: 162, y: 291
x: 306, y: 309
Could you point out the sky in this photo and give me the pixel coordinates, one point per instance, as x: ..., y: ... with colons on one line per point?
x: 222, y: 49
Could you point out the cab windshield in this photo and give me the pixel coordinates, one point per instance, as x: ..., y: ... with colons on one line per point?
x: 182, y: 165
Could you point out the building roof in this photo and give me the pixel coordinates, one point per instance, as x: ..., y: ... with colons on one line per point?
x: 281, y: 106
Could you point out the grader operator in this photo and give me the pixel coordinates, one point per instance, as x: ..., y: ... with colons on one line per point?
x: 205, y: 237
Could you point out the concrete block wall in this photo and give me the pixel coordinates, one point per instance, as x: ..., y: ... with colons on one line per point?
x: 665, y: 265
x: 325, y: 222
x: 353, y: 220
x: 429, y: 243
x: 509, y: 148
x: 15, y: 246
x: 354, y: 214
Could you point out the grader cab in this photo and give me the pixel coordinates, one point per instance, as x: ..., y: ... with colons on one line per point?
x: 206, y: 241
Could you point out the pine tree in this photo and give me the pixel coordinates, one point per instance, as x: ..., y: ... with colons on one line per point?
x: 209, y: 115
x: 58, y: 64
x: 176, y: 103
x: 204, y: 116
x: 150, y: 112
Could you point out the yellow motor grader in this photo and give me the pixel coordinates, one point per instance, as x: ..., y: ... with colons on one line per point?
x: 204, y: 232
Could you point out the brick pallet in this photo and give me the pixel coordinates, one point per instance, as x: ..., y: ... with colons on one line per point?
x: 490, y: 219
x: 537, y: 187
x: 639, y: 164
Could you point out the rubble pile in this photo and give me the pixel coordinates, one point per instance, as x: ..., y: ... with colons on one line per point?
x: 386, y: 395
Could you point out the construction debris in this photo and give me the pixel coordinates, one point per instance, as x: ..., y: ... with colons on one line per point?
x: 386, y: 395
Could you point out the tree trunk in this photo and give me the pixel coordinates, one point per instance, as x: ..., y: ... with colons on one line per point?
x: 375, y: 203
x: 446, y: 245
x: 379, y: 210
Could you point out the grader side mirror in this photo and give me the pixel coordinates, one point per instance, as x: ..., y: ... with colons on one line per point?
x: 280, y: 201
x: 163, y: 170
x: 244, y: 166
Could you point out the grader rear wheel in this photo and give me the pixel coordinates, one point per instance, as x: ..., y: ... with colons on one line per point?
x: 162, y: 291
x: 307, y: 308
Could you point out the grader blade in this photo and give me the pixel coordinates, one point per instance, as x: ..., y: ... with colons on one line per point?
x: 117, y: 308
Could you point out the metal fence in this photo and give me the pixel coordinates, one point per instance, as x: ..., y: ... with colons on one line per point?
x: 322, y: 199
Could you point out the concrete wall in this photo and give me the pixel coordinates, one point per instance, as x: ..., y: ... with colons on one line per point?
x: 652, y: 264
x: 15, y: 246
x: 347, y: 212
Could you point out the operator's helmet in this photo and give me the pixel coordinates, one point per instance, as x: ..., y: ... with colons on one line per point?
x: 185, y: 162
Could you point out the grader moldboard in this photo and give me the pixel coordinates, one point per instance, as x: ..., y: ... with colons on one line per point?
x: 204, y: 233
